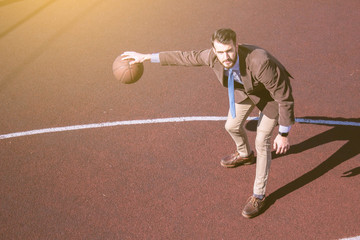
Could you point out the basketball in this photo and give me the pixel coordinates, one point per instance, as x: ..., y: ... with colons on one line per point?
x: 126, y: 73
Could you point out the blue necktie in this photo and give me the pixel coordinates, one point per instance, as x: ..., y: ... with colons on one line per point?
x: 231, y: 93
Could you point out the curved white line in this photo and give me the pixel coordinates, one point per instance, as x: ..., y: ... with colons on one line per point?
x: 157, y: 120
x: 110, y: 124
x: 352, y: 238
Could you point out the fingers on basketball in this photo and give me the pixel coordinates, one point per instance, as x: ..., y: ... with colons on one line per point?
x: 125, y: 72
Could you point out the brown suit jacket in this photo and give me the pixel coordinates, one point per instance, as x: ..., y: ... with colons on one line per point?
x: 266, y: 81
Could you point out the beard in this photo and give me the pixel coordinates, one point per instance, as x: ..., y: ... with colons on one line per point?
x: 229, y: 63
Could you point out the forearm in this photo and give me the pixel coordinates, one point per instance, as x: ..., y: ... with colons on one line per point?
x: 186, y: 58
x: 170, y: 58
x: 279, y: 87
x: 286, y: 112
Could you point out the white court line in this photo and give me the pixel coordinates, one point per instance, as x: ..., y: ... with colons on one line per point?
x: 110, y: 124
x: 352, y: 238
x: 158, y: 120
x: 165, y: 120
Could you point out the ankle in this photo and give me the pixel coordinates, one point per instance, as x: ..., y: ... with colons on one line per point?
x: 245, y: 155
x: 261, y: 197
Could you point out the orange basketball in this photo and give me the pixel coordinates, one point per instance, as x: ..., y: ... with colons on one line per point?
x: 126, y: 73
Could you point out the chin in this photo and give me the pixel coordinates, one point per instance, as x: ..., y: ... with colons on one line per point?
x: 228, y: 65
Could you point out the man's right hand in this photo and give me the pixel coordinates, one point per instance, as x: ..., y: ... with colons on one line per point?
x: 137, y: 57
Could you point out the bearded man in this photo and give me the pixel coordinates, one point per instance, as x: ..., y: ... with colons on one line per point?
x: 253, y: 78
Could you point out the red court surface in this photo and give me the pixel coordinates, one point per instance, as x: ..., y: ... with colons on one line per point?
x: 164, y: 180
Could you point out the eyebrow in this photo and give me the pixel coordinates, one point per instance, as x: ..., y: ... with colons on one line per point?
x: 225, y: 50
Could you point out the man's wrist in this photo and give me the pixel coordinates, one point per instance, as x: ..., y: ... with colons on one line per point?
x: 284, y: 130
x: 154, y: 58
x: 283, y: 134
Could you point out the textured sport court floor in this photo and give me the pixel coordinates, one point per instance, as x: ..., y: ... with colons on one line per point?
x: 141, y: 161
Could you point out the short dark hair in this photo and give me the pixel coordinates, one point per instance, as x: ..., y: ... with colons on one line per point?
x: 224, y: 35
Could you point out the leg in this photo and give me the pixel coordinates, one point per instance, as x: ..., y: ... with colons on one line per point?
x: 235, y: 127
x: 263, y: 149
x: 256, y: 202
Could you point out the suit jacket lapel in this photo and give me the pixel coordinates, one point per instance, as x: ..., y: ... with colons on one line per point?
x: 219, y: 71
x: 244, y: 71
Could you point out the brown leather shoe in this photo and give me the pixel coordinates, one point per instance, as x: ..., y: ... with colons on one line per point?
x: 235, y: 160
x: 253, y: 207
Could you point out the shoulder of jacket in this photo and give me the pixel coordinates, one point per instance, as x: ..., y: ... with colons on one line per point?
x: 253, y: 53
x: 258, y: 57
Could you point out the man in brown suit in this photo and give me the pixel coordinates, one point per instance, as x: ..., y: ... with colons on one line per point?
x: 253, y: 78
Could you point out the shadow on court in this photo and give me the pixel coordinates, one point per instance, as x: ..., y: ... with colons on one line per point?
x: 7, y: 2
x: 339, y: 132
x: 26, y: 18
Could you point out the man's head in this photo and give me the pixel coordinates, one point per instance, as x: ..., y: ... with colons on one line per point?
x: 224, y: 46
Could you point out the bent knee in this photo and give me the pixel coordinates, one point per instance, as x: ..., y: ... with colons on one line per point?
x: 230, y: 127
x: 262, y: 140
x: 233, y: 128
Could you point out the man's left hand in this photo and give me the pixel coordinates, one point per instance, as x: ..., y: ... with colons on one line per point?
x: 281, y: 144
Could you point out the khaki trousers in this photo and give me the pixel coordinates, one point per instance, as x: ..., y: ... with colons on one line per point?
x: 265, y: 127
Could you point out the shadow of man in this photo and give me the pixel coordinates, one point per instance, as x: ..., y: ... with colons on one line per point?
x: 339, y: 132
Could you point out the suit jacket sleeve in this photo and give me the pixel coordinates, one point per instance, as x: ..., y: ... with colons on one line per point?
x: 277, y: 82
x: 187, y: 58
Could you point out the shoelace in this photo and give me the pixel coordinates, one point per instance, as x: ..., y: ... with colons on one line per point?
x: 254, y: 201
